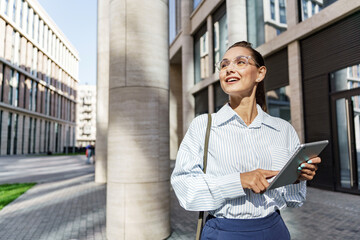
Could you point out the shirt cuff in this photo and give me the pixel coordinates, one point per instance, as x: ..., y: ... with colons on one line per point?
x: 230, y: 186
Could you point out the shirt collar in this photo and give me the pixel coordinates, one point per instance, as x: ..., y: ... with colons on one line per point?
x: 226, y: 113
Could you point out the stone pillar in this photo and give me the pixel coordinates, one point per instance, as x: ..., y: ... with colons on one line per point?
x: 296, y: 101
x: 138, y: 196
x: 102, y: 91
x: 4, y: 132
x: 187, y: 52
x: 236, y: 17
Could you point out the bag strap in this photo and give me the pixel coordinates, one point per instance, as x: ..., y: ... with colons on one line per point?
x: 201, y: 214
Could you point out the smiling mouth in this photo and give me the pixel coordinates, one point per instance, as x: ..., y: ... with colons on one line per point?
x: 232, y: 80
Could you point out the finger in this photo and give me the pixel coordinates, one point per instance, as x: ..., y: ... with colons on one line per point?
x: 269, y: 173
x: 255, y: 189
x: 306, y: 177
x: 307, y: 172
x: 264, y: 183
x: 315, y: 160
x: 308, y: 166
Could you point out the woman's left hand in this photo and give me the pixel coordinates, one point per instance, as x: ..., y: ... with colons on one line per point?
x: 308, y: 169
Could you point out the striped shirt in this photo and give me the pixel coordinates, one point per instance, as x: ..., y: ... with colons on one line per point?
x: 235, y: 148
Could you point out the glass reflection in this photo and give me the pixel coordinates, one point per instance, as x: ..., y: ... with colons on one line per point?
x: 278, y: 101
x: 311, y: 7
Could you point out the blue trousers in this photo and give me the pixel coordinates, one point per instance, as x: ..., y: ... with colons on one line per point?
x: 271, y: 227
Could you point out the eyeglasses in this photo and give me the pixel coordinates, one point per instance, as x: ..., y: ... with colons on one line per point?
x: 240, y: 62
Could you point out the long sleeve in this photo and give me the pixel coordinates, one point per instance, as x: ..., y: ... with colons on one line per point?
x: 195, y: 190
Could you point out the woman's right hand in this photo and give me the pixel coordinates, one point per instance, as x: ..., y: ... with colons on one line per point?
x: 256, y: 180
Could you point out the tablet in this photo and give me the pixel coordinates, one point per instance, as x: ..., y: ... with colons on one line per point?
x: 289, y: 173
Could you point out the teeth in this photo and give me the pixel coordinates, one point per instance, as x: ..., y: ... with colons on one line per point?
x: 232, y: 80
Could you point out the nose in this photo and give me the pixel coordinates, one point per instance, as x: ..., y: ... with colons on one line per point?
x: 231, y: 67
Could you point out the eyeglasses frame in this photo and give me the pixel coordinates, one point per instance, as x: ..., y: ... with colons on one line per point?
x: 217, y: 65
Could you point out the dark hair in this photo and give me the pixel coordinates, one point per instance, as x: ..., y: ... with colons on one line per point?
x: 260, y: 90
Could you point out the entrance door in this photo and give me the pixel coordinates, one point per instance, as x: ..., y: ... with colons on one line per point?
x: 346, y: 128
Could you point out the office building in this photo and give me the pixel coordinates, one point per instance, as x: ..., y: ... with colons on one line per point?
x: 312, y: 52
x: 38, y: 81
x: 86, y: 115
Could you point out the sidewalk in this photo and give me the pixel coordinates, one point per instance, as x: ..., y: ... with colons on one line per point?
x: 67, y: 204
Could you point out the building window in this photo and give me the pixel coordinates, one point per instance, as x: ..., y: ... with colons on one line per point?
x: 16, y: 87
x: 34, y: 138
x: 8, y: 150
x: 346, y: 79
x: 2, y: 82
x: 56, y: 136
x: 35, y: 89
x: 13, y: 48
x: 29, y: 136
x: 23, y: 135
x: 15, y: 133
x: 220, y: 34
x: 31, y: 95
x: 309, y: 8
x: 174, y: 18
x: 21, y: 13
x: 220, y: 97
x: 201, y: 102
x: 11, y: 88
x: 6, y: 7
x: 201, y: 57
x: 255, y: 22
x: 278, y: 102
x: 282, y: 11
x: 14, y: 10
x: 196, y: 3
x: 28, y: 20
x: 272, y: 9
x: 34, y: 62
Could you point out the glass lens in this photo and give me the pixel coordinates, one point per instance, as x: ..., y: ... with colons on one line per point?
x: 241, y: 61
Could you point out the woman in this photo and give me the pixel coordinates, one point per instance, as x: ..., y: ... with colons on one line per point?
x: 246, y: 147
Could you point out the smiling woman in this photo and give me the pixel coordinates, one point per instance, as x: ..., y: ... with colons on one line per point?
x: 242, y: 149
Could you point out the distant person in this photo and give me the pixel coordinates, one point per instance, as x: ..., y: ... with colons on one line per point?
x: 88, y: 154
x: 246, y: 147
x: 93, y: 153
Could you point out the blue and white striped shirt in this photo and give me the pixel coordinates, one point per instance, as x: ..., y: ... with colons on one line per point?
x: 235, y: 148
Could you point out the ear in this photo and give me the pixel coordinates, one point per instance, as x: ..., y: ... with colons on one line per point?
x: 261, y: 74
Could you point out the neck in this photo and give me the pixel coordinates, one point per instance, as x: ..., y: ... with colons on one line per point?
x: 245, y: 107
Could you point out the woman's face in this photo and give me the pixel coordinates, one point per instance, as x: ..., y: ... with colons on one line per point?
x: 239, y: 79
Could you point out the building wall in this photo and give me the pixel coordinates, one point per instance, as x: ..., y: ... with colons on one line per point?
x: 37, y: 63
x: 86, y: 115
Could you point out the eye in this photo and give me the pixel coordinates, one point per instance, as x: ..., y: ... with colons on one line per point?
x: 224, y: 65
x: 241, y: 61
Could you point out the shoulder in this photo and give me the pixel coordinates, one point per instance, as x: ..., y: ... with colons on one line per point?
x: 200, y: 121
x: 277, y: 123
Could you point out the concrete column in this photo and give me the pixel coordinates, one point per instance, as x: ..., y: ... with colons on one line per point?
x: 187, y: 55
x: 296, y: 101
x: 2, y: 37
x: 138, y: 196
x: 236, y: 20
x: 292, y: 13
x: 102, y: 91
x: 8, y: 42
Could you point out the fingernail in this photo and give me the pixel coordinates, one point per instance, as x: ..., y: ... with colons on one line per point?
x: 299, y: 168
x: 309, y: 161
x: 302, y: 165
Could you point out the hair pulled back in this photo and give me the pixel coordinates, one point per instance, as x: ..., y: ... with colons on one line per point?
x: 260, y: 90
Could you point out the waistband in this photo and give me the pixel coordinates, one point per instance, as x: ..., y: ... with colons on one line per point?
x: 243, y: 225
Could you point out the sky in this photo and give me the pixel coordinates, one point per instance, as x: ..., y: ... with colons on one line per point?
x: 77, y: 19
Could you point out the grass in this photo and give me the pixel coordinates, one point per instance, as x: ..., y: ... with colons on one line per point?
x: 9, y: 192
